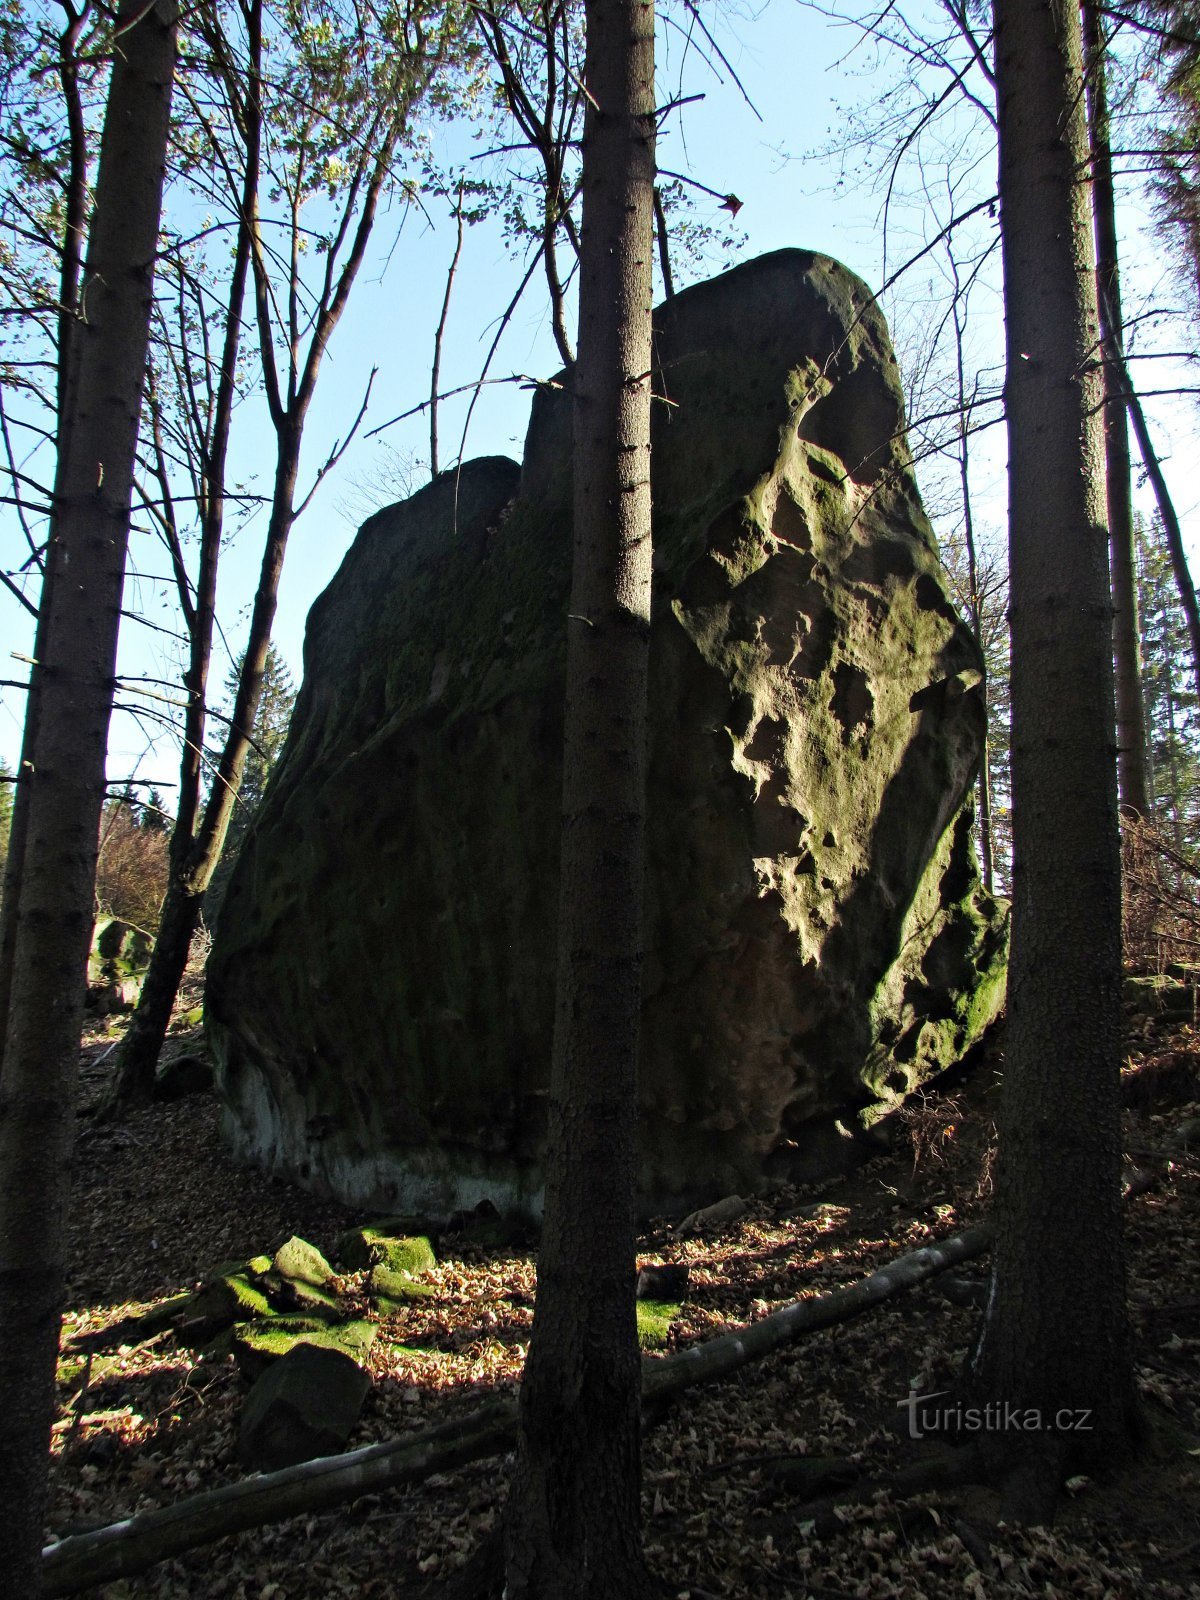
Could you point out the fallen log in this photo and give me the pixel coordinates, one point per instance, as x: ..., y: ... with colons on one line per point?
x: 716, y: 1358
x: 125, y: 1548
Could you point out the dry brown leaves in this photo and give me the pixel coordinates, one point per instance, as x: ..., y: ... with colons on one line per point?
x: 159, y: 1202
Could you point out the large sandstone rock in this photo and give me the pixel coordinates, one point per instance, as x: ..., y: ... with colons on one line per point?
x: 380, y: 989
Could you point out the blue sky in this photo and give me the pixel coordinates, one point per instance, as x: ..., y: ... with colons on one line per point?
x: 802, y: 73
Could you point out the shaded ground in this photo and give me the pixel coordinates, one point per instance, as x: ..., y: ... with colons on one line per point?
x: 728, y: 1474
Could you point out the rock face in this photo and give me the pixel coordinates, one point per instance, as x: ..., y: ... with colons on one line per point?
x: 380, y: 992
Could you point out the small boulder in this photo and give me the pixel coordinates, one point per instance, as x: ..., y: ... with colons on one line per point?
x: 182, y: 1076
x: 385, y: 1244
x: 111, y: 999
x: 301, y: 1262
x: 222, y: 1299
x: 662, y: 1282
x: 305, y: 1405
x: 391, y: 1290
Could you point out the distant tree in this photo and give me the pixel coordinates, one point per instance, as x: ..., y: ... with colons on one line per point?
x: 1172, y: 707
x: 978, y: 574
x: 131, y: 870
x: 271, y: 722
x: 6, y: 810
x: 1172, y: 28
x: 1131, y: 722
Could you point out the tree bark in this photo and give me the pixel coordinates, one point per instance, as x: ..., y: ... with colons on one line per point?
x: 66, y: 781
x: 1132, y: 785
x: 1055, y: 1335
x: 574, y: 1509
x: 70, y: 268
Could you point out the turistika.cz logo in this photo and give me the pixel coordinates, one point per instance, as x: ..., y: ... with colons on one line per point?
x: 996, y: 1416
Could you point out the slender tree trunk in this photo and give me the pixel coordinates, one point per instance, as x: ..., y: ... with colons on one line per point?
x: 134, y: 1081
x: 574, y: 1515
x: 1131, y: 720
x: 664, y: 244
x: 1055, y: 1340
x: 288, y: 403
x: 191, y: 870
x: 1172, y: 531
x: 66, y: 783
x: 986, y: 849
x: 70, y: 267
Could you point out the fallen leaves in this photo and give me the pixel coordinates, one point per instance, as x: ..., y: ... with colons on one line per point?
x: 725, y: 1516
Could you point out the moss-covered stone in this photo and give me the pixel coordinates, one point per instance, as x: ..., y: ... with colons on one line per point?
x: 301, y: 1262
x: 257, y: 1343
x: 229, y: 1297
x: 386, y: 1243
x: 817, y: 939
x: 391, y: 1291
x: 654, y: 1319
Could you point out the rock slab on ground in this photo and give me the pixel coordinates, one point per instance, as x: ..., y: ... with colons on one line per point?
x: 380, y: 991
x: 303, y: 1406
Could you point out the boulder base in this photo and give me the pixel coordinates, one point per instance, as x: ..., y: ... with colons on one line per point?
x: 380, y: 992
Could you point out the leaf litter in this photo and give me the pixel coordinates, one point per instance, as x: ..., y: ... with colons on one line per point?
x: 732, y: 1473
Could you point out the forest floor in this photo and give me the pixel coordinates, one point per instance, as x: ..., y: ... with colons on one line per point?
x: 728, y: 1472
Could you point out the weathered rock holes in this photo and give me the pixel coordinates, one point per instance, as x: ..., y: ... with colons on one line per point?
x: 853, y: 702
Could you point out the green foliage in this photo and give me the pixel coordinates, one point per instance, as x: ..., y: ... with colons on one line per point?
x: 654, y: 1319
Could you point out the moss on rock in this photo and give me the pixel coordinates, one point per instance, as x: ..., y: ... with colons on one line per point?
x: 384, y: 1244
x: 255, y: 1344
x: 392, y: 1290
x: 654, y: 1319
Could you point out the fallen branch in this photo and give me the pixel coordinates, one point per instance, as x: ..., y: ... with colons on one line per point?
x: 715, y: 1358
x: 125, y: 1548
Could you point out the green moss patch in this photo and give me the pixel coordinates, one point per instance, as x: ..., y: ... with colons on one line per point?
x: 380, y: 1244
x: 229, y: 1298
x: 654, y: 1319
x: 392, y: 1290
x: 256, y: 1344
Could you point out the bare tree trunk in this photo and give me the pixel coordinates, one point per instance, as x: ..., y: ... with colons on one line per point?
x: 66, y: 783
x: 134, y: 1081
x: 1055, y: 1338
x: 70, y: 268
x: 574, y: 1510
x: 1167, y: 513
x: 1131, y: 717
x: 288, y: 398
x: 986, y: 849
